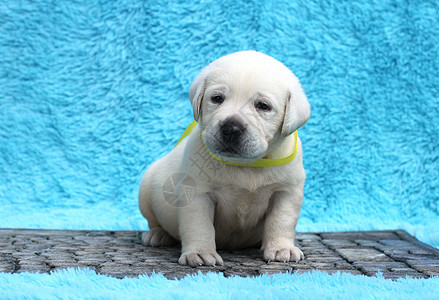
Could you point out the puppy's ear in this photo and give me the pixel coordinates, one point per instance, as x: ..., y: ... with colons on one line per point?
x: 196, y: 94
x: 297, y: 110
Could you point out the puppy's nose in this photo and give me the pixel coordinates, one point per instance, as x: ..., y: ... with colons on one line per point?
x: 232, y: 129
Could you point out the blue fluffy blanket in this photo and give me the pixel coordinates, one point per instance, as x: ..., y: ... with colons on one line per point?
x: 92, y: 92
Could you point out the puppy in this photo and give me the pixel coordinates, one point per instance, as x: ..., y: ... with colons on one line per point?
x: 204, y: 193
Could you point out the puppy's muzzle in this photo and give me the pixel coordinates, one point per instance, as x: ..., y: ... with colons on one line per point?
x: 232, y: 131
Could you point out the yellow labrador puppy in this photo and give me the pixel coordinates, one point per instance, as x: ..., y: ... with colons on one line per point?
x: 237, y: 179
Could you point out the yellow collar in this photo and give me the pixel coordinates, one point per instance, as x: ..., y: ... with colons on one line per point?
x: 263, y: 162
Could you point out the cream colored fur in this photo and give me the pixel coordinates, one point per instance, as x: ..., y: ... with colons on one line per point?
x: 234, y: 206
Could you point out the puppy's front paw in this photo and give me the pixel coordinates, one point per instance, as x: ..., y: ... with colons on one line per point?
x: 195, y: 259
x: 291, y: 253
x: 157, y: 237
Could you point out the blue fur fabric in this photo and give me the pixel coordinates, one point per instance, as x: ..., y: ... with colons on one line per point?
x: 85, y: 284
x: 92, y: 92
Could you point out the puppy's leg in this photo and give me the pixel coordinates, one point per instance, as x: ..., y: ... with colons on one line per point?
x: 156, y: 236
x: 280, y: 224
x: 197, y: 233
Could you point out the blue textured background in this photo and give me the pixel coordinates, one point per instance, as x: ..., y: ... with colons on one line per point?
x: 92, y: 92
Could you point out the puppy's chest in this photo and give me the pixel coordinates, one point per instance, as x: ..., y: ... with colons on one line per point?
x: 238, y: 208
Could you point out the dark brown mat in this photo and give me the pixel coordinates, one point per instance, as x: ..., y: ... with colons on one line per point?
x: 120, y: 253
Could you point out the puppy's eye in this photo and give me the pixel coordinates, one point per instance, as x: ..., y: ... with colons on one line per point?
x: 262, y: 106
x: 217, y: 99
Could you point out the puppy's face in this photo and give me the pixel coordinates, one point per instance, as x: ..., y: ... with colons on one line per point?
x: 245, y: 103
x: 241, y: 112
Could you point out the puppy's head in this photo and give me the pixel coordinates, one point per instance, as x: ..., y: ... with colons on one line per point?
x: 246, y: 102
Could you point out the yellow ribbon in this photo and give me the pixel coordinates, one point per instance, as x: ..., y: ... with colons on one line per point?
x: 263, y: 162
